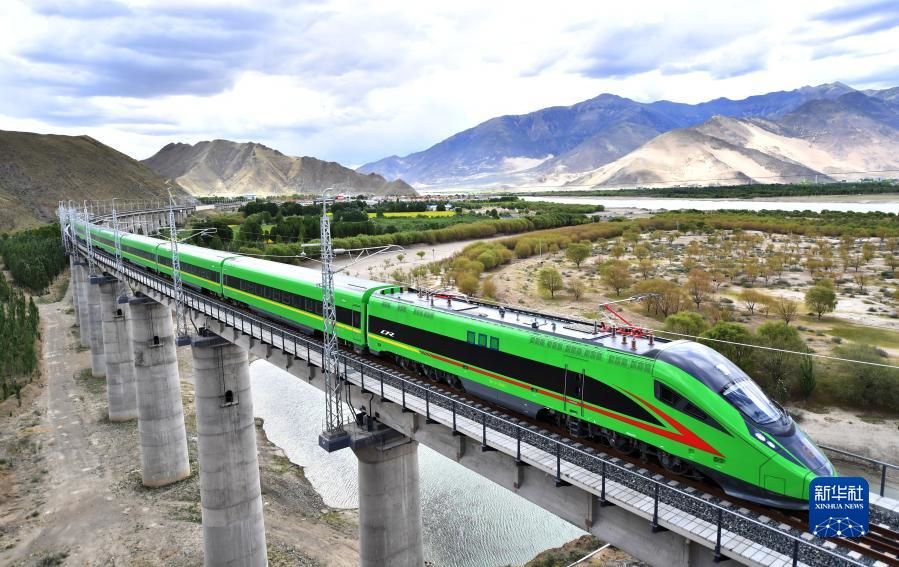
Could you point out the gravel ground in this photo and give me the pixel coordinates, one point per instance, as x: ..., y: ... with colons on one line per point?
x: 70, y: 488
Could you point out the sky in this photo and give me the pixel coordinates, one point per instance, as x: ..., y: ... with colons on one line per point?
x: 355, y: 81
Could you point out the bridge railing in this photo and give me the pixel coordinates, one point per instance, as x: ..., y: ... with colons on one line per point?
x: 875, y: 464
x: 724, y: 518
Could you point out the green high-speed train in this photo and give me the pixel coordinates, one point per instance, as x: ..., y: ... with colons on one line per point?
x: 679, y: 401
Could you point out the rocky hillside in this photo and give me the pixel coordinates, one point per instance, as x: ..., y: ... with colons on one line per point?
x: 853, y: 133
x: 39, y: 170
x: 222, y: 167
x: 561, y: 141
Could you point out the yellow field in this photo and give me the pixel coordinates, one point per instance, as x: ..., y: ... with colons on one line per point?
x: 414, y: 214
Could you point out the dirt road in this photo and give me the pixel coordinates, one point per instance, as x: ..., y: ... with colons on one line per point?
x: 71, y: 491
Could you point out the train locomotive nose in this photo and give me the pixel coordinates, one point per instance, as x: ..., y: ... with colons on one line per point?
x: 807, y: 453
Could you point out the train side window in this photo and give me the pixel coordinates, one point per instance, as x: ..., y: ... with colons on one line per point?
x: 694, y: 411
x: 471, y: 337
x: 482, y: 339
x: 666, y: 394
x: 494, y: 343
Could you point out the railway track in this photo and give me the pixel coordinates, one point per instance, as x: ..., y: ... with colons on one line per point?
x: 880, y: 544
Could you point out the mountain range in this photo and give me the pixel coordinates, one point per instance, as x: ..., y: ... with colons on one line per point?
x: 225, y: 168
x: 610, y: 140
x: 39, y: 170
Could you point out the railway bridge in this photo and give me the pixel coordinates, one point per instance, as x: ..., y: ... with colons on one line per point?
x: 657, y: 519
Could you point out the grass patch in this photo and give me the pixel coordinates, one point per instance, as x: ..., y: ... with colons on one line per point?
x: 414, y: 214
x: 283, y: 555
x: 282, y: 465
x: 92, y: 384
x: 872, y: 419
x: 52, y: 559
x: 865, y: 335
x: 188, y: 513
x: 335, y: 519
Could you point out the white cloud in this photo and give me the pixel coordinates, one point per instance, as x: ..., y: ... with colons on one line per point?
x: 356, y: 81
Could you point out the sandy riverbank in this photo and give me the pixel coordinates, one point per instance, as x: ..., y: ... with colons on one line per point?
x: 70, y: 490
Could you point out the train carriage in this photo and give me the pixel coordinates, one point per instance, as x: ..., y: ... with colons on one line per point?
x: 201, y: 268
x: 294, y: 294
x: 681, y: 401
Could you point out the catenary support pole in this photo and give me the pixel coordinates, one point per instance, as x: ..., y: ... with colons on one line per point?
x: 389, y: 505
x: 230, y: 493
x: 121, y: 388
x: 163, y: 438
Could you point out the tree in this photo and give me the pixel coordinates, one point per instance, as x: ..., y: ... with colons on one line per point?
x: 615, y: 275
x: 577, y: 253
x: 663, y: 297
x: 786, y: 309
x: 750, y: 298
x: 687, y: 323
x: 779, y: 368
x: 420, y: 254
x: 868, y: 251
x: 524, y: 248
x: 645, y: 266
x: 488, y: 288
x: 821, y: 299
x: 550, y: 281
x: 250, y: 230
x: 725, y: 336
x: 699, y: 286
x: 807, y: 379
x: 468, y: 283
x: 861, y: 279
x: 868, y: 386
x: 576, y: 287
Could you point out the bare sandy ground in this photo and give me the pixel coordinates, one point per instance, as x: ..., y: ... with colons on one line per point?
x: 70, y: 490
x: 410, y: 257
x: 876, y: 438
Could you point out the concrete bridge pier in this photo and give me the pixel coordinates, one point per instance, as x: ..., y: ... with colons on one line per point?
x: 121, y: 389
x: 390, y: 530
x: 82, y: 288
x: 73, y: 283
x: 98, y: 356
x: 230, y: 492
x: 163, y: 437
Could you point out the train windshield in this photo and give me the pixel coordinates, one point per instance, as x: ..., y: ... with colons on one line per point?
x: 703, y: 363
x: 747, y: 397
x: 719, y: 374
x: 807, y: 452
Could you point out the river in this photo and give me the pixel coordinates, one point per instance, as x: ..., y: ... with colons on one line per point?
x: 468, y: 520
x: 857, y: 203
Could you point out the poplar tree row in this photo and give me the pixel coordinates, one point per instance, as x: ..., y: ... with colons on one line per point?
x: 19, y: 331
x: 34, y: 257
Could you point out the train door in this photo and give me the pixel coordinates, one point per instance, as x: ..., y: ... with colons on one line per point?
x: 575, y: 372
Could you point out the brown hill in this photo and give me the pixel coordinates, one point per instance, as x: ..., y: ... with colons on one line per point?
x: 821, y: 140
x: 222, y: 167
x: 39, y: 170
